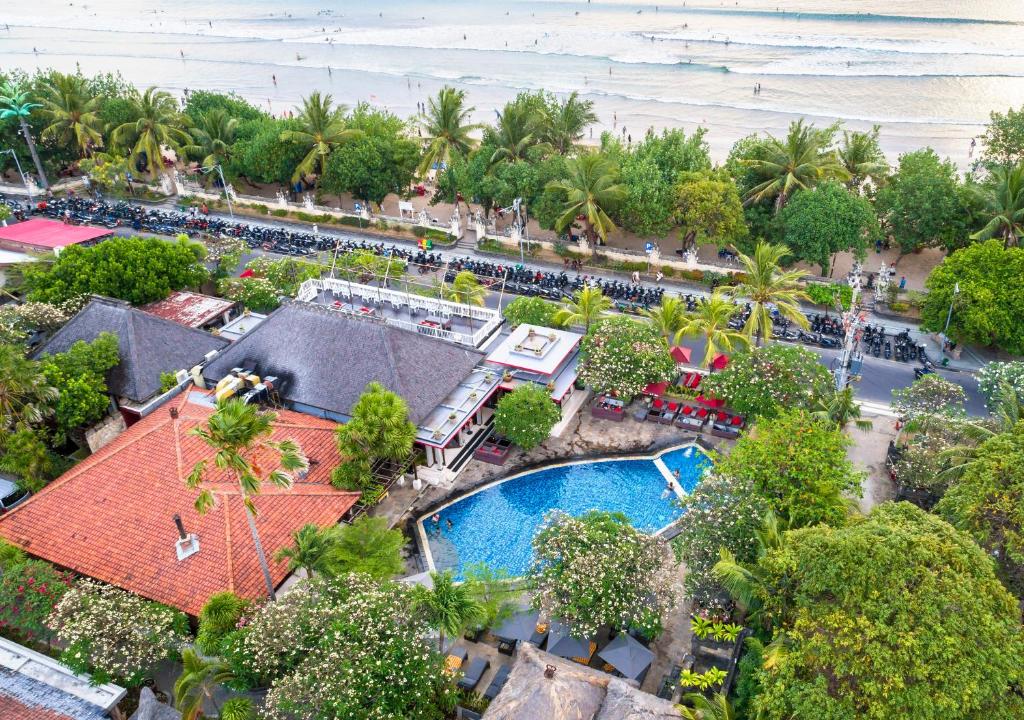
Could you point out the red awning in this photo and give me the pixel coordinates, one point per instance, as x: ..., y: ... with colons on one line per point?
x: 50, y: 234
x: 720, y: 361
x: 680, y: 354
x: 656, y: 388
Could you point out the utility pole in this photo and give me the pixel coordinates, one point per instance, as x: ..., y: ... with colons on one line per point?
x: 851, y: 321
x: 949, y: 315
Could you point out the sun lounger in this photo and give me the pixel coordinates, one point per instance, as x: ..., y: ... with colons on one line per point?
x: 456, y: 658
x: 670, y: 412
x: 497, y: 682
x: 474, y: 672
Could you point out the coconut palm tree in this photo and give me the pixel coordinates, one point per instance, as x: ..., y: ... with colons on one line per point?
x: 591, y: 190
x: 668, y: 318
x: 798, y: 162
x: 448, y: 607
x: 1003, y: 197
x: 73, y: 113
x: 323, y: 129
x: 587, y: 307
x: 25, y: 396
x: 767, y: 285
x: 311, y: 550
x: 239, y: 433
x: 200, y: 677
x: 746, y: 584
x: 518, y: 131
x: 841, y: 408
x: 14, y: 103
x: 238, y: 708
x: 1007, y: 411
x: 564, y: 123
x: 862, y: 157
x: 447, y: 128
x: 700, y: 707
x: 711, y: 320
x: 212, y: 137
x: 466, y: 289
x: 157, y: 123
x: 370, y: 547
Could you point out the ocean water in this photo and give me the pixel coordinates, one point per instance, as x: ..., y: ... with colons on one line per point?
x: 496, y: 525
x: 928, y: 71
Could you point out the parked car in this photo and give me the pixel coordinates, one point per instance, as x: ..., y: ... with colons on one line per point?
x: 11, y: 494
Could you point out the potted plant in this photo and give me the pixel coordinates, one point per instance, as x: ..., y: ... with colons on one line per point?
x: 701, y: 626
x: 688, y: 679
x: 731, y: 632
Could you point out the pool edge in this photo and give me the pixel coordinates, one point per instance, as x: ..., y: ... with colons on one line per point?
x: 422, y: 533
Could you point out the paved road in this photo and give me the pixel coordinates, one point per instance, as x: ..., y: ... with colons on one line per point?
x: 879, y: 377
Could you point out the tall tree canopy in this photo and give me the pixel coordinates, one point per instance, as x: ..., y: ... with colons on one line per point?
x: 818, y: 223
x: 898, y: 615
x: 921, y: 204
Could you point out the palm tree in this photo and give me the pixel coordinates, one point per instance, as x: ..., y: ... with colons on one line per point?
x: 564, y: 123
x: 466, y: 289
x: 799, y: 162
x: 14, y: 104
x: 862, y: 157
x: 311, y: 550
x: 198, y: 682
x: 1003, y: 197
x: 767, y: 285
x: 73, y: 113
x: 711, y: 319
x: 238, y: 708
x: 157, y: 123
x: 323, y: 129
x: 239, y: 433
x: 517, y: 132
x: 699, y: 707
x: 587, y: 307
x: 746, y: 584
x: 213, y: 136
x: 840, y: 408
x: 370, y: 547
x: 447, y: 128
x: 25, y: 397
x: 448, y: 607
x: 591, y: 190
x: 1007, y: 411
x: 668, y: 318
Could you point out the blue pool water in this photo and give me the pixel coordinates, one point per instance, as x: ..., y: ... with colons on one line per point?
x: 496, y: 525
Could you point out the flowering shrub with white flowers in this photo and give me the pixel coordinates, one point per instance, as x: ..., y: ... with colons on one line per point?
x: 995, y: 374
x: 17, y: 321
x: 930, y: 397
x: 622, y: 356
x: 114, y: 635
x: 345, y: 648
x: 759, y: 382
x: 721, y: 512
x: 597, y: 570
x: 526, y: 415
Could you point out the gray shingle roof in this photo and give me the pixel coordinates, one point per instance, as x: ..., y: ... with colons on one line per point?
x: 324, y: 359
x: 33, y: 694
x: 148, y: 345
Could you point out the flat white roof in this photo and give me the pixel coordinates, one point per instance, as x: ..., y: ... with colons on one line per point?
x: 42, y: 669
x: 10, y: 257
x: 240, y: 326
x: 535, y: 349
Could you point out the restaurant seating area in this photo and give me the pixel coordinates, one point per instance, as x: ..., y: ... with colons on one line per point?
x: 608, y: 408
x: 664, y: 404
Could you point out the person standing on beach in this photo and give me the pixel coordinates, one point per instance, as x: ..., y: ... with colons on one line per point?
x: 274, y: 78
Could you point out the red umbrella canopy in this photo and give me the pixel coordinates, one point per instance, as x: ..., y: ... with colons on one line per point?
x: 680, y: 354
x: 656, y: 388
x: 720, y: 361
x: 247, y: 273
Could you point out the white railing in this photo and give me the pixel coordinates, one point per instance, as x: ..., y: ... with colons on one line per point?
x: 489, y: 318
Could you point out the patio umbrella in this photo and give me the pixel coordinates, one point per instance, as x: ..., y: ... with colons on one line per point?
x: 520, y: 626
x: 680, y: 354
x: 627, y: 655
x: 720, y: 361
x: 562, y: 644
x: 656, y: 388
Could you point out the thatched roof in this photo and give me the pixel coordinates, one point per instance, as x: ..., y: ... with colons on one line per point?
x: 574, y: 693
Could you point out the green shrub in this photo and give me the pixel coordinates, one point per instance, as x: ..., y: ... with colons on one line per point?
x: 260, y: 208
x: 631, y: 266
x: 351, y: 221
x: 306, y: 217
x: 382, y: 225
x: 419, y: 231
x: 827, y: 294
x: 668, y: 271
x: 168, y: 380
x: 219, y: 616
x: 279, y: 212
x: 899, y: 307
x: 438, y: 235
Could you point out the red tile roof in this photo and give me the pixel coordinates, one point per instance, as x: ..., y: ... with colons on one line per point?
x: 49, y: 234
x: 14, y: 709
x: 189, y: 308
x: 111, y: 516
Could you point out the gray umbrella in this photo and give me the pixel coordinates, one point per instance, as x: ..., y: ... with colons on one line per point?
x: 627, y: 655
x: 520, y: 626
x: 562, y: 644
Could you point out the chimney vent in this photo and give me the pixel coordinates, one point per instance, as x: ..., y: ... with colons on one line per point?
x: 174, y: 413
x: 187, y: 544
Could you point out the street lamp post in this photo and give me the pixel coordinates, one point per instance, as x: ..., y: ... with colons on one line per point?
x: 223, y: 184
x: 17, y: 163
x: 949, y: 315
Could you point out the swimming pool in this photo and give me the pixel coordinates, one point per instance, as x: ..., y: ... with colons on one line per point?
x: 496, y: 524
